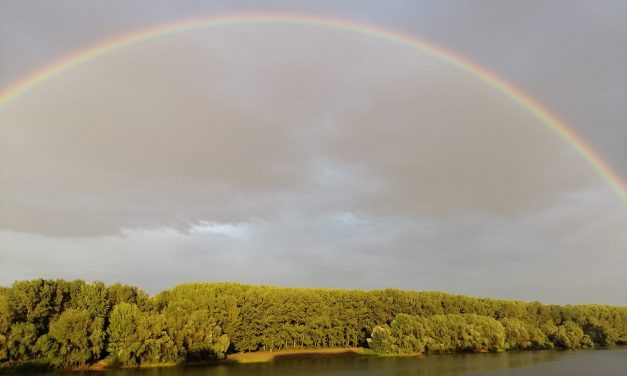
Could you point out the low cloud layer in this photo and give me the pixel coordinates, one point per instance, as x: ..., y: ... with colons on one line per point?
x: 565, y: 254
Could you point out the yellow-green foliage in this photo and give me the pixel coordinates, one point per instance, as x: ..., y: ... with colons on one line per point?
x: 439, y: 333
x: 69, y: 323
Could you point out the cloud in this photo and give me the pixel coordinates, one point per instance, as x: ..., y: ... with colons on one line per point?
x: 234, y: 126
x: 233, y: 230
x: 559, y: 255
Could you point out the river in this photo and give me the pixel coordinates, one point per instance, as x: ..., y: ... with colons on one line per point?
x: 611, y: 362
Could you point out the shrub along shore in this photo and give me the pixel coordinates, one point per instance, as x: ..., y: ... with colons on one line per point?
x: 74, y: 324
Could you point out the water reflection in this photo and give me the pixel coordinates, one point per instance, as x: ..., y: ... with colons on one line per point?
x: 540, y: 363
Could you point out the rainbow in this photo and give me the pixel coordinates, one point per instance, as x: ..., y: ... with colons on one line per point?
x: 491, y: 79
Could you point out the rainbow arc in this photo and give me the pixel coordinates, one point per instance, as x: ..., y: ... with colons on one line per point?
x: 551, y: 121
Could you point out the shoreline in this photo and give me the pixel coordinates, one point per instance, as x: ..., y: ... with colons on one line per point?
x: 235, y: 358
x: 268, y: 356
x: 251, y: 357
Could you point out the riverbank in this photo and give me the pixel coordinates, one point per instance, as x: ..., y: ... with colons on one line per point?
x: 269, y: 356
x: 257, y: 357
x: 244, y: 357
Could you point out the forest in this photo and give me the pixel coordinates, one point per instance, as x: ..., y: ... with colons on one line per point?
x: 70, y: 324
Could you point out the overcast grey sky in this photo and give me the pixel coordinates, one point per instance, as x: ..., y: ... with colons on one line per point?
x: 302, y: 156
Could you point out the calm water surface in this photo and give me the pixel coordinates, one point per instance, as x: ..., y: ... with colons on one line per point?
x: 541, y: 363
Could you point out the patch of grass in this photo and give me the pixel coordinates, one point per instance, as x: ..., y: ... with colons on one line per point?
x: 269, y: 356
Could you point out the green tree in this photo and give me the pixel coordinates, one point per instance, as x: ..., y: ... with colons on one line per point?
x: 21, y: 342
x: 79, y: 337
x: 570, y: 336
x: 124, y: 341
x: 93, y: 298
x: 523, y: 336
x: 157, y: 345
x: 381, y: 340
x: 5, y: 315
x: 4, y: 351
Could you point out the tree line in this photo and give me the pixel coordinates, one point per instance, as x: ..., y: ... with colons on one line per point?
x: 409, y: 334
x: 74, y: 323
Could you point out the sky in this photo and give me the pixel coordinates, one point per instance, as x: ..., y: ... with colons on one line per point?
x: 298, y: 155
